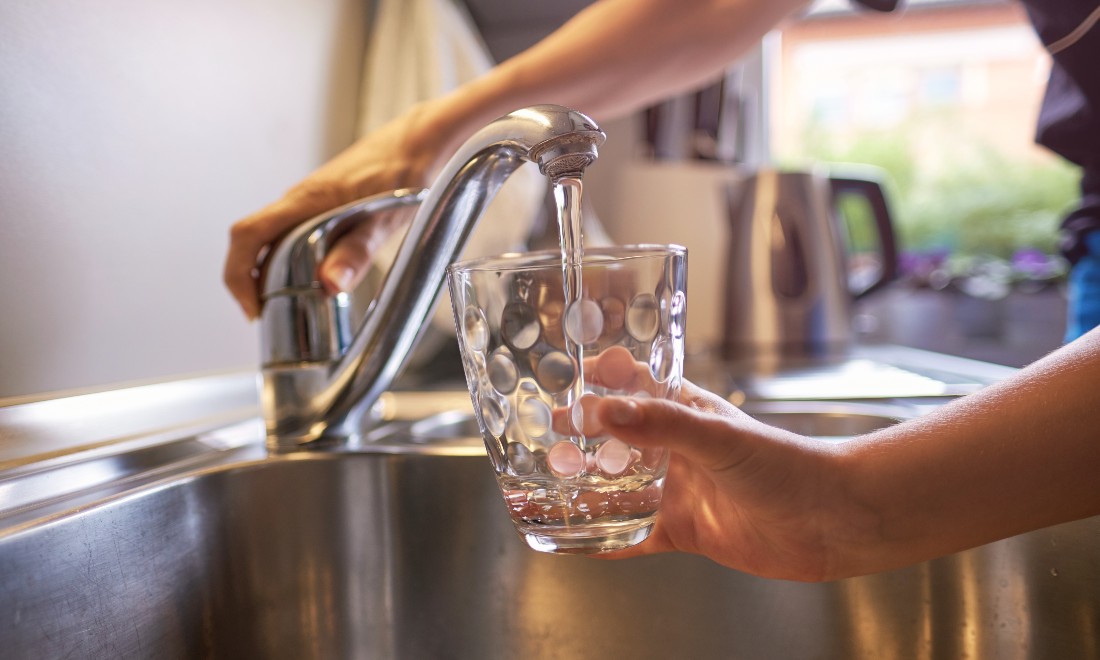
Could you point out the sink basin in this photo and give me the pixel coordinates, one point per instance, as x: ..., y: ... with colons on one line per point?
x: 380, y: 554
x: 177, y: 536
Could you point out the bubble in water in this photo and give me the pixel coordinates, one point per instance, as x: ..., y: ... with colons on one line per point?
x: 662, y: 359
x: 642, y: 317
x: 502, y: 370
x: 565, y: 459
x: 613, y: 457
x: 474, y: 329
x: 677, y: 313
x: 555, y: 372
x: 494, y: 413
x: 519, y: 326
x: 534, y: 417
x: 520, y: 458
x: 584, y: 321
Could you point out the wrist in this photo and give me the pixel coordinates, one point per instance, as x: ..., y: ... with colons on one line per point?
x: 443, y: 124
x: 872, y: 532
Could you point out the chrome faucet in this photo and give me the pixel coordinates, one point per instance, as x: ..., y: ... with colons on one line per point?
x: 320, y: 378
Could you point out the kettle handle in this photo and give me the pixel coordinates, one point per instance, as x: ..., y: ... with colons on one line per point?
x: 872, y: 191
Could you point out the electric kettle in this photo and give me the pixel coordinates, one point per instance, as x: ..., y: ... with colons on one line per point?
x: 789, y: 292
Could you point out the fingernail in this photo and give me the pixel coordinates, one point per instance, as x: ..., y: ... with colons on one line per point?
x: 341, y: 276
x: 622, y: 412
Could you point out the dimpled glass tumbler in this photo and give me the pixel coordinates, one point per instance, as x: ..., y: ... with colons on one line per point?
x: 537, y: 360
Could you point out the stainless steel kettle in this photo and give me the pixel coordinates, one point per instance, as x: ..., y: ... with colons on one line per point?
x: 789, y: 292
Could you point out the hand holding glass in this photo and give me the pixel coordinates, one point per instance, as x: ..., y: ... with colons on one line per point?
x: 537, y: 360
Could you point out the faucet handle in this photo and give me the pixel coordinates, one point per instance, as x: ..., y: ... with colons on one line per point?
x: 320, y: 379
x: 299, y: 322
x: 292, y: 264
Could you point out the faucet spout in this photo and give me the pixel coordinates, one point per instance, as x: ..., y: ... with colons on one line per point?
x: 312, y: 394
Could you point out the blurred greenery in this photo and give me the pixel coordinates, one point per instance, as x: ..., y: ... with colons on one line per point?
x: 954, y: 195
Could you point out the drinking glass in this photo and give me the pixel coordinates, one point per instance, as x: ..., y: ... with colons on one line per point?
x: 540, y: 346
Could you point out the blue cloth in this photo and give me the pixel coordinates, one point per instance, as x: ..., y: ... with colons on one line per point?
x: 1084, y: 290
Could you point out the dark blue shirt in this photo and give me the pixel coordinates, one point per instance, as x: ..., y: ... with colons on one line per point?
x: 1069, y: 121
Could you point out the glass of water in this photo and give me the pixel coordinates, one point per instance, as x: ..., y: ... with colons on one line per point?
x: 541, y: 343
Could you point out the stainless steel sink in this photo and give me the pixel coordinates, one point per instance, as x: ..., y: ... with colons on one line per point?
x: 209, y: 547
x: 833, y: 421
x: 379, y: 555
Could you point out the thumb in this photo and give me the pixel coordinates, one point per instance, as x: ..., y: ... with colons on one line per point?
x: 339, y: 276
x: 710, y: 440
x: 349, y: 260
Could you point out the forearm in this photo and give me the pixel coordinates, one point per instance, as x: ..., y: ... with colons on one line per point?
x: 1017, y: 456
x: 614, y: 57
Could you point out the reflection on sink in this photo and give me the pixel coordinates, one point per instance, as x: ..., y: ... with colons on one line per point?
x: 381, y: 555
x: 445, y: 426
x: 827, y: 420
x: 869, y: 373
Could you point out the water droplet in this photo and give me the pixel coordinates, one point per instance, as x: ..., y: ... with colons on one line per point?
x: 502, y: 371
x: 555, y: 372
x: 1054, y: 572
x: 677, y: 314
x: 642, y: 317
x: 584, y: 321
x: 494, y: 413
x: 520, y: 458
x: 534, y: 417
x: 565, y: 459
x: 475, y: 329
x: 519, y: 326
x: 613, y: 457
x: 662, y: 360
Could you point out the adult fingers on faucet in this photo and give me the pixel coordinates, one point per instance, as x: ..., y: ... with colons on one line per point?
x: 347, y: 262
x: 249, y: 237
x: 384, y: 160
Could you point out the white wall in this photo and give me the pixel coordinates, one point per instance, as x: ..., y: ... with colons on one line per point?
x: 132, y: 134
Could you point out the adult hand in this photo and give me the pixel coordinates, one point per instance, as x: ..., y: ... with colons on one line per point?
x: 404, y: 153
x: 1017, y: 456
x: 747, y: 495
